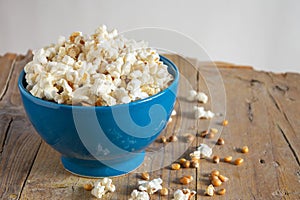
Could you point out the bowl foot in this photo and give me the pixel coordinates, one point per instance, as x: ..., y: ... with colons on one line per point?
x: 97, y: 169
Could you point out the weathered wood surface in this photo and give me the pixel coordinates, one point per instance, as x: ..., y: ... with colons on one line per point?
x: 263, y: 110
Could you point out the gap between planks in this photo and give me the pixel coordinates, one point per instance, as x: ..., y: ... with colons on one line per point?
x: 5, y: 136
x: 289, y: 144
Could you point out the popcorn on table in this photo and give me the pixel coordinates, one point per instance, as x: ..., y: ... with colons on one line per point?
x: 139, y: 195
x: 102, y: 69
x: 203, y: 151
x: 150, y: 186
x: 210, y: 190
x: 202, y: 114
x: 184, y: 194
x: 193, y: 95
x: 103, y: 186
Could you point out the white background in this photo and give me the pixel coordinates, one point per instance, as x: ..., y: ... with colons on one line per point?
x: 261, y: 33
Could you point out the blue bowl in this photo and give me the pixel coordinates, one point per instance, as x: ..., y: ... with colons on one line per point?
x: 101, y: 141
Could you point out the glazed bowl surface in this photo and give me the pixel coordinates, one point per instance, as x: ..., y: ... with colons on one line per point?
x: 101, y: 141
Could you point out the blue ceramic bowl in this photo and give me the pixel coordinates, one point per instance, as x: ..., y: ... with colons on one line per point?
x: 101, y: 141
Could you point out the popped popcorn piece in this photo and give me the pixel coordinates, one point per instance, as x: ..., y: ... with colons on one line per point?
x: 202, y: 114
x: 101, y: 187
x: 184, y: 194
x: 193, y: 95
x: 98, y: 192
x: 205, y: 150
x: 93, y: 70
x: 173, y: 112
x: 202, y: 151
x: 210, y: 190
x: 150, y: 186
x: 139, y: 195
x: 202, y: 97
x: 195, y: 155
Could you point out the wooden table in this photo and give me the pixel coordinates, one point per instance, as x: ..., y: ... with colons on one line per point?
x: 263, y: 110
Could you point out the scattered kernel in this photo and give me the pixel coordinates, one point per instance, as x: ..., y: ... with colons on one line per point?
x: 215, y: 173
x: 175, y: 166
x: 185, y: 180
x: 173, y: 138
x: 88, y: 187
x: 210, y: 135
x: 223, y: 178
x: 145, y: 176
x: 163, y: 139
x: 213, y: 177
x: 190, y: 177
x: 216, y: 182
x: 164, y: 192
x: 228, y: 159
x: 220, y: 141
x: 203, y: 133
x: 238, y: 161
x: 221, y: 191
x: 245, y: 149
x: 214, y: 130
x: 182, y: 161
x: 216, y: 159
x: 225, y: 122
x: 186, y: 164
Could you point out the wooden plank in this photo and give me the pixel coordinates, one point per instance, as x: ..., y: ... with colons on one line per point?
x: 252, y: 122
x: 6, y: 63
x: 49, y: 180
x: 19, y: 152
x: 284, y: 91
x: 12, y: 98
x: 5, y: 124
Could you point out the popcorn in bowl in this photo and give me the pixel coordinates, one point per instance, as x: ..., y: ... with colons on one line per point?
x: 103, y: 69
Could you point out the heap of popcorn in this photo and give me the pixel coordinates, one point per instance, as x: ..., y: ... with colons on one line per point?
x: 103, y: 69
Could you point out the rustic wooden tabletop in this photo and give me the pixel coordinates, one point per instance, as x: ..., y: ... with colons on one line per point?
x: 262, y: 108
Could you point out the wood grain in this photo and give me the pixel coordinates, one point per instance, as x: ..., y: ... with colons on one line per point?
x: 6, y: 67
x: 262, y: 108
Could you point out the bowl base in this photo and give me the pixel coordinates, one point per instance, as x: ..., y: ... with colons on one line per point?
x: 97, y: 169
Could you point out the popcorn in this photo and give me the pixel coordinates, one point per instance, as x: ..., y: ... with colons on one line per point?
x: 210, y: 190
x: 201, y: 113
x: 150, y: 186
x: 173, y: 112
x: 184, y: 194
x: 192, y: 95
x: 199, y: 96
x: 202, y: 97
x: 102, y: 186
x: 203, y: 151
x: 102, y: 69
x: 137, y: 195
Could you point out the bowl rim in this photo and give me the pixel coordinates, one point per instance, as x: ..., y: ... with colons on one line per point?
x: 165, y: 60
